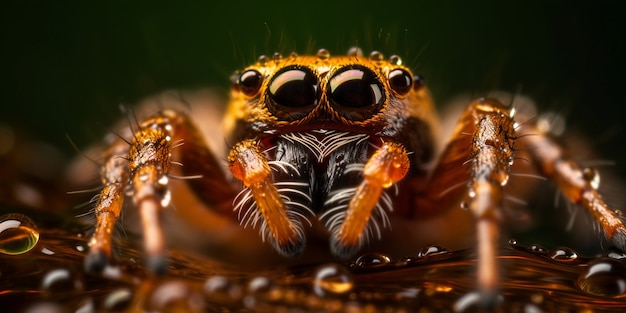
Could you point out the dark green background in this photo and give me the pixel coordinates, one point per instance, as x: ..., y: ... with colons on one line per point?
x: 66, y: 66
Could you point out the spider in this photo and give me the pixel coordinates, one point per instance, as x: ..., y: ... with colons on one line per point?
x: 342, y: 141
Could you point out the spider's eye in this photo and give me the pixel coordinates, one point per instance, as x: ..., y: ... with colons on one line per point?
x: 356, y: 88
x: 293, y: 88
x: 250, y: 82
x: 418, y: 82
x: 400, y: 81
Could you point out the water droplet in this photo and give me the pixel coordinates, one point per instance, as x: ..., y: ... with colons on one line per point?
x: 60, y: 281
x: 605, y: 278
x: 323, y: 54
x: 432, y: 250
x: 47, y: 251
x: 332, y: 279
x: 258, y: 287
x: 592, y: 176
x: 537, y: 249
x: 176, y: 296
x: 163, y: 180
x: 369, y: 260
x: 395, y: 60
x: 564, y: 254
x: 512, y: 242
x: 504, y: 179
x: 87, y: 306
x: 18, y: 234
x: 355, y: 52
x: 474, y: 300
x: 376, y: 56
x: 277, y: 56
x: 465, y: 205
x: 45, y: 307
x: 617, y: 255
x: 293, y: 55
x: 262, y: 60
x: 408, y: 260
x: 221, y: 290
x: 259, y: 284
x: 408, y: 293
x: 118, y: 300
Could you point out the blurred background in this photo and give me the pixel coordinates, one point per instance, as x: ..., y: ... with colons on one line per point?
x: 66, y: 66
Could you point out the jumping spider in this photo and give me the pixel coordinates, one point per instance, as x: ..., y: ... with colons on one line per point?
x: 344, y: 140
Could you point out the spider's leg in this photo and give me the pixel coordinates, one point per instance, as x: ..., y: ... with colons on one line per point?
x: 199, y: 162
x: 577, y: 184
x: 388, y: 165
x: 141, y: 168
x: 491, y: 157
x: 249, y: 165
x: 474, y: 167
x: 114, y: 175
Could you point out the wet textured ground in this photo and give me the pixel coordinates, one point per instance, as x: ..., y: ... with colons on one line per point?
x: 41, y: 269
x: 49, y: 277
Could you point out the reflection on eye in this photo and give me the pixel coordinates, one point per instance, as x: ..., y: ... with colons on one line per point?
x: 356, y: 88
x: 294, y: 88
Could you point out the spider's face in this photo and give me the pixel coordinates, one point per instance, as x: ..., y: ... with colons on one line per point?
x: 313, y: 133
x: 312, y: 92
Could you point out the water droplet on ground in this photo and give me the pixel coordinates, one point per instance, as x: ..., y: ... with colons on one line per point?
x: 18, y: 234
x: 432, y: 250
x: 531, y: 282
x: 563, y: 254
x: 59, y: 281
x: 220, y: 289
x: 118, y: 300
x: 537, y: 249
x: 332, y: 279
x: 372, y: 259
x: 176, y: 296
x: 605, y: 278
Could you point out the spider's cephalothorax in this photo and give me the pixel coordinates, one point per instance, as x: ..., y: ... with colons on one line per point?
x: 327, y: 137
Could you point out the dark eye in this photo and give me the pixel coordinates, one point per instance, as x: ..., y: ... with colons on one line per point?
x: 293, y: 88
x: 356, y: 87
x: 250, y: 82
x: 400, y: 81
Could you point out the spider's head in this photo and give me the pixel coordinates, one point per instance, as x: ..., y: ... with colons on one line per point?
x: 283, y: 94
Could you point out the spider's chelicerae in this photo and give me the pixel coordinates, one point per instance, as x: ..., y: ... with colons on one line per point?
x: 343, y: 142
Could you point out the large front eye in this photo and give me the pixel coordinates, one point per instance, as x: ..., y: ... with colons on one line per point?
x: 356, y: 92
x: 293, y: 88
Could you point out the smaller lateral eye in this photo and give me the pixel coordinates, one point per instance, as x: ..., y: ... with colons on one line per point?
x: 400, y: 81
x: 250, y: 82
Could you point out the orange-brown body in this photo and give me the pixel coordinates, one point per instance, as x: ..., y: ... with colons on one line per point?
x: 343, y: 140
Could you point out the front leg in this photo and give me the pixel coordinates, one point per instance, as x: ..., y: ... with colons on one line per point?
x: 480, y: 155
x: 577, y: 184
x: 490, y: 160
x: 141, y: 167
x: 143, y: 164
x: 388, y: 165
x: 267, y: 206
x: 474, y: 168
